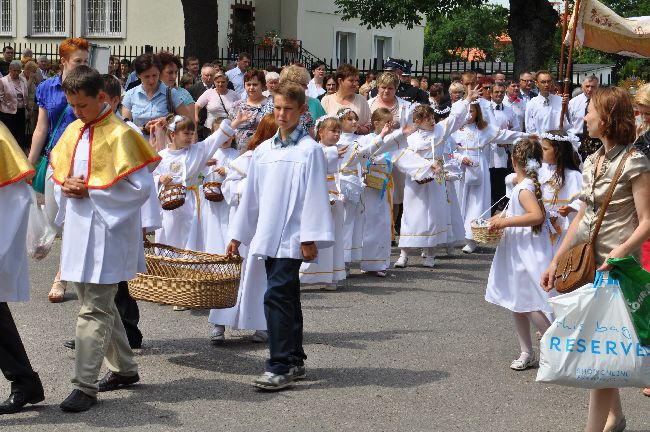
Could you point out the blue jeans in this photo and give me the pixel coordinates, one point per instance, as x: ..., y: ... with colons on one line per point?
x: 283, y: 315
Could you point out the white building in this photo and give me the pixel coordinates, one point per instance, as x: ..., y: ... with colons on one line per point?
x: 160, y: 23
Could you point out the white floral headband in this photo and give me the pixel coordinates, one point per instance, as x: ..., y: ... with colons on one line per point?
x: 321, y: 119
x: 172, y: 126
x: 568, y: 138
x: 475, y: 102
x: 344, y: 112
x: 442, y: 112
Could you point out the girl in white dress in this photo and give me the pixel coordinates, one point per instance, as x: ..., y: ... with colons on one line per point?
x: 182, y: 163
x: 380, y: 153
x: 475, y: 141
x: 351, y: 187
x: 215, y: 215
x: 523, y: 253
x: 248, y: 312
x: 330, y: 266
x: 561, y: 182
x: 427, y: 217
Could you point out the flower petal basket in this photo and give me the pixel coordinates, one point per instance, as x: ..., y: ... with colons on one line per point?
x: 187, y: 278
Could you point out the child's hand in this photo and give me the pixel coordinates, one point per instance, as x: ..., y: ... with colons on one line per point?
x: 309, y: 251
x: 385, y: 130
x: 165, y: 179
x: 242, y: 117
x: 211, y: 162
x: 497, y: 223
x: 435, y: 168
x: 342, y: 151
x: 221, y: 171
x: 473, y: 94
x: 565, y: 210
x: 233, y: 248
x: 74, y: 187
x: 467, y: 161
x: 548, y: 277
x: 408, y: 129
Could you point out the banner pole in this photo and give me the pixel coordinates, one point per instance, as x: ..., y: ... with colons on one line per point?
x: 564, y: 26
x: 567, y: 78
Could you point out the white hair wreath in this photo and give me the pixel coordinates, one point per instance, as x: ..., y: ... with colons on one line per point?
x: 568, y: 138
x: 172, y: 126
x: 344, y: 112
x: 532, y: 165
x: 321, y: 119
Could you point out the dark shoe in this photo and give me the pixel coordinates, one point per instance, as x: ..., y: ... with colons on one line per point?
x: 18, y: 399
x: 113, y: 381
x: 78, y: 401
x: 69, y: 344
x: 298, y: 372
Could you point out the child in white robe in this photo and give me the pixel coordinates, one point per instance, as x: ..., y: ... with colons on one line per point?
x: 248, y: 312
x: 379, y: 153
x: 182, y: 163
x: 475, y: 141
x: 351, y: 187
x: 330, y: 268
x: 102, y: 181
x: 523, y: 253
x: 216, y: 215
x: 561, y: 182
x: 426, y: 220
x: 285, y: 218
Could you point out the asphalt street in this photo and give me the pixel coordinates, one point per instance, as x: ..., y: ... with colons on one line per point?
x: 417, y: 351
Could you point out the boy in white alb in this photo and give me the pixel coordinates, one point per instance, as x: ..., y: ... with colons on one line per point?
x: 284, y: 217
x: 100, y: 170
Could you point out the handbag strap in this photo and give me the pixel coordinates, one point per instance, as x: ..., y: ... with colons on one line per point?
x: 608, y: 195
x: 50, y: 144
x: 170, y: 102
x: 223, y: 104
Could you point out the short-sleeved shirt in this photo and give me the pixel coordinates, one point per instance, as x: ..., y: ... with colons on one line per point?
x: 186, y: 97
x: 620, y: 218
x: 218, y: 106
x: 144, y: 109
x: 359, y: 105
x: 50, y: 97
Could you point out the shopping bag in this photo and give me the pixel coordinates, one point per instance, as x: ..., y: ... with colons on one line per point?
x: 592, y: 342
x: 635, y: 285
x: 38, y: 182
x: 40, y: 234
x: 473, y: 174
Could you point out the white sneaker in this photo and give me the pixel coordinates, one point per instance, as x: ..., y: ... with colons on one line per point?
x: 423, y: 254
x: 401, y: 262
x: 218, y: 335
x: 430, y: 261
x: 179, y: 308
x: 470, y: 247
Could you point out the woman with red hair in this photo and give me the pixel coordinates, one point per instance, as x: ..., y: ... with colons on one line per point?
x: 54, y: 115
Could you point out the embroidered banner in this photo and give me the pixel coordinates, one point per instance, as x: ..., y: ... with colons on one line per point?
x: 600, y: 28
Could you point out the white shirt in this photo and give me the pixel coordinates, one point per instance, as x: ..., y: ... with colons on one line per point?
x: 543, y: 114
x: 236, y: 77
x: 285, y: 201
x: 576, y: 113
x: 313, y: 91
x: 518, y: 106
x: 505, y: 119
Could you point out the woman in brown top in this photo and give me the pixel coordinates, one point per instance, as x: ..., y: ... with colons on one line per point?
x: 626, y: 224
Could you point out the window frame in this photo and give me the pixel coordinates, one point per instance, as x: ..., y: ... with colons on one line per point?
x: 389, y: 41
x: 85, y: 31
x: 12, y: 31
x: 352, y: 44
x: 50, y: 34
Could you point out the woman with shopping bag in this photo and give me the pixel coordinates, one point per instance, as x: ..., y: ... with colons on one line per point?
x: 624, y: 224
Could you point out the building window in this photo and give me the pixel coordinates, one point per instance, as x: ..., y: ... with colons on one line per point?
x: 48, y: 18
x: 346, y: 44
x: 383, y: 48
x: 104, y: 18
x: 7, y: 17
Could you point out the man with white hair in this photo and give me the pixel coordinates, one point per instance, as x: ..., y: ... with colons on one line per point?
x: 576, y: 115
x: 272, y: 81
x: 44, y: 67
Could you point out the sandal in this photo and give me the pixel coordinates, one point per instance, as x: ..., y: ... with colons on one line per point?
x: 57, y: 292
x: 520, y: 364
x: 381, y: 273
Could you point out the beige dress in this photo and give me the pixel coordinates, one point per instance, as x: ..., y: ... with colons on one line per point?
x: 620, y: 217
x: 359, y: 105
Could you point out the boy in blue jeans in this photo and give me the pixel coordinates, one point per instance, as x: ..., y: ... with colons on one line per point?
x: 284, y: 217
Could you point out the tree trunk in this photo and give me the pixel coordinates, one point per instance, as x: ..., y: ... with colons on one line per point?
x: 531, y: 26
x: 201, y: 29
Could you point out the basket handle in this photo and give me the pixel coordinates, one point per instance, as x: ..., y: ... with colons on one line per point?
x: 494, y: 205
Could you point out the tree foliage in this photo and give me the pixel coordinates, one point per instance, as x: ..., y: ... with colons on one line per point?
x: 380, y: 13
x: 446, y: 37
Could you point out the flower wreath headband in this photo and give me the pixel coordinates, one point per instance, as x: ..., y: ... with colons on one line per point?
x: 442, y: 112
x: 343, y: 113
x: 321, y: 119
x: 569, y: 138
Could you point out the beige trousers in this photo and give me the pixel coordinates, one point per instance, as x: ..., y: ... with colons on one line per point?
x: 100, y: 336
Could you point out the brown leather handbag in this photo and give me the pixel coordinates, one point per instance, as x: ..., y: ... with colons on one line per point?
x: 577, y: 266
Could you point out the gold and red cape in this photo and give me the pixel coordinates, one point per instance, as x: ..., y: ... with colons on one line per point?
x: 14, y: 165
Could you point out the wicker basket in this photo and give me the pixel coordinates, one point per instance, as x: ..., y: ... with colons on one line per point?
x: 212, y: 191
x: 187, y: 278
x: 484, y: 236
x: 172, y: 196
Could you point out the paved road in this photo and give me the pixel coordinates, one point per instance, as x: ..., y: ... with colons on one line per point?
x: 418, y: 351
